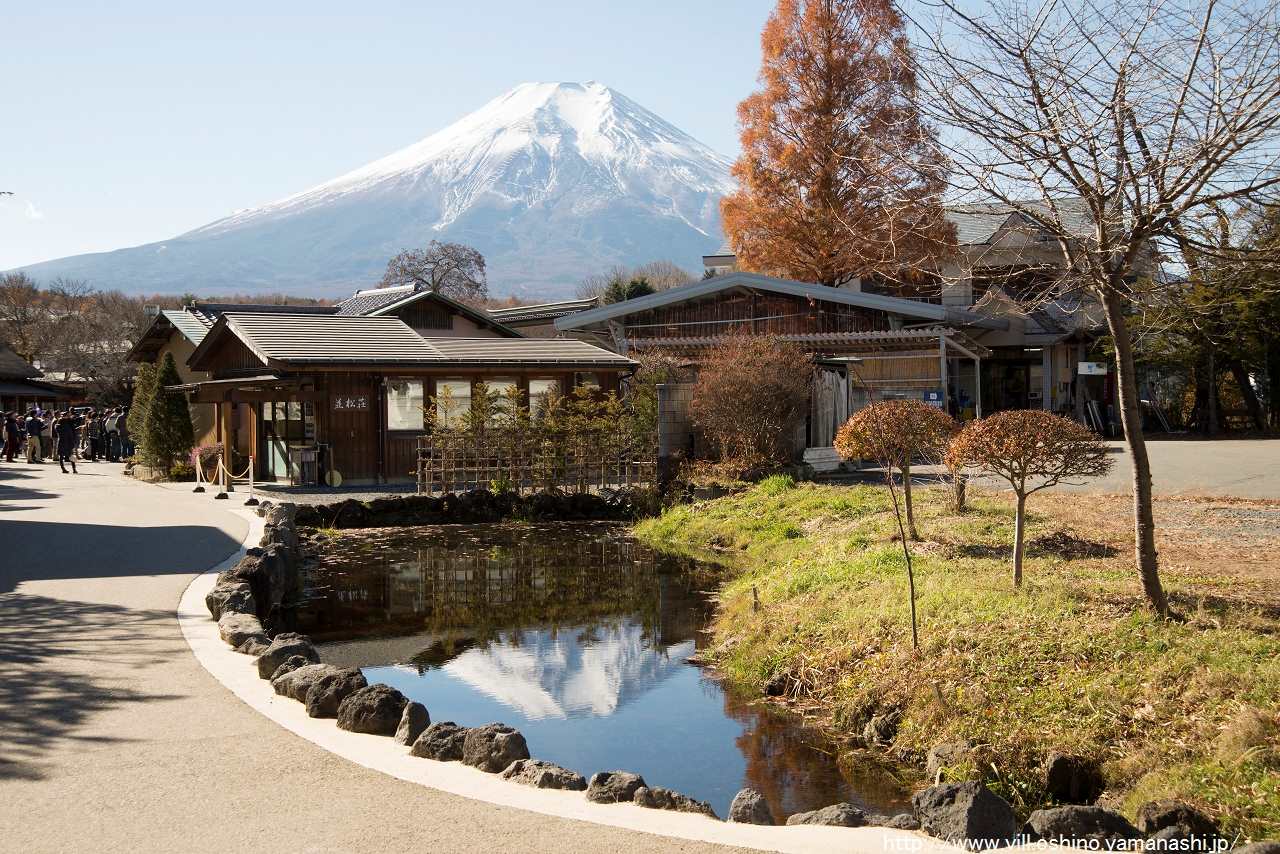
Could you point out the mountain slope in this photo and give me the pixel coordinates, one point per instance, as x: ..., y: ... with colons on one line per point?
x: 550, y: 181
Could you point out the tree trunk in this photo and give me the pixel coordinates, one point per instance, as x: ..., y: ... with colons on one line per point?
x: 1144, y: 526
x: 1019, y: 521
x: 1214, y: 407
x: 1251, y: 403
x: 906, y: 499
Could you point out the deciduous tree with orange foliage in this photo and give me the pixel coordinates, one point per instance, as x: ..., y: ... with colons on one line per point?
x: 839, y: 176
x: 1032, y: 450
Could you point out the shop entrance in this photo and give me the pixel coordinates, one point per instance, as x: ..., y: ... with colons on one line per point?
x: 284, y: 426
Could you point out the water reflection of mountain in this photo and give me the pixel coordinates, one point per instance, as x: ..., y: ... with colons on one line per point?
x: 564, y: 674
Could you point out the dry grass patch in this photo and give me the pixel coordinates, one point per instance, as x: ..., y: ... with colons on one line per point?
x: 1071, y: 662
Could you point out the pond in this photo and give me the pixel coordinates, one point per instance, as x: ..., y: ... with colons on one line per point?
x: 578, y: 636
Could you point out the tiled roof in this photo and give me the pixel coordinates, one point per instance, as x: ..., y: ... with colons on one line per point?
x: 191, y: 324
x: 978, y: 223
x: 305, y: 339
x: 364, y: 302
x: 327, y: 338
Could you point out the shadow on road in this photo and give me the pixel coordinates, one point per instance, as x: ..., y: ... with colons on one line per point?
x: 60, y: 550
x: 49, y: 686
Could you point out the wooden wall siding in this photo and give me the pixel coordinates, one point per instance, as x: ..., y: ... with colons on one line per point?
x: 233, y: 357
x: 756, y: 313
x: 423, y: 315
x: 894, y: 371
x: 352, y: 434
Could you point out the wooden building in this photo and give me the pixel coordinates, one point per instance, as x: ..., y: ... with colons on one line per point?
x: 21, y: 387
x: 342, y: 397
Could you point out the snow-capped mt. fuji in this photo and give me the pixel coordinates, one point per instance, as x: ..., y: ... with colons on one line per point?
x: 550, y: 181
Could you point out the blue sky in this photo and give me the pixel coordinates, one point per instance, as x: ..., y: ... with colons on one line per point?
x: 129, y: 122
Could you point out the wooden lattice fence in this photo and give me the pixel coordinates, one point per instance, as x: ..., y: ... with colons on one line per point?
x: 534, y: 460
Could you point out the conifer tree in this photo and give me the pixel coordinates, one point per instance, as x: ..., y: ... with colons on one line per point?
x: 839, y: 175
x: 144, y: 388
x: 167, y: 434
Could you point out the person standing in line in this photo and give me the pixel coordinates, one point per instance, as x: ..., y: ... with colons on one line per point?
x: 112, y: 430
x: 92, y: 429
x: 126, y: 441
x: 12, y: 436
x: 46, y: 435
x: 65, y: 430
x: 33, y: 425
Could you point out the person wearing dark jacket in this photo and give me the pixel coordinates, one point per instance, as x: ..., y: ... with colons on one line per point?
x: 12, y: 436
x: 33, y: 427
x: 65, y: 430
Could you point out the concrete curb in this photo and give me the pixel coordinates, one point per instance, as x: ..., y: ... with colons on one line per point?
x: 237, y: 673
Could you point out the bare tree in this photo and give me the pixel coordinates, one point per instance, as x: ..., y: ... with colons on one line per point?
x: 452, y: 269
x: 1110, y: 125
x: 658, y: 275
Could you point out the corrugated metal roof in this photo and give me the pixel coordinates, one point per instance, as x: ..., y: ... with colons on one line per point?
x: 526, y: 351
x: 192, y: 326
x: 752, y: 281
x: 329, y: 338
x: 843, y: 340
x: 542, y: 311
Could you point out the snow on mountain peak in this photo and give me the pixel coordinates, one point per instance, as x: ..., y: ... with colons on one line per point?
x: 531, y: 143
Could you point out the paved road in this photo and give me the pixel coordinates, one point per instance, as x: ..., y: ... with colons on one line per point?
x: 113, y: 737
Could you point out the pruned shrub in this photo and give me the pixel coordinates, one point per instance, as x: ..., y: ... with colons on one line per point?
x: 1032, y: 450
x: 896, y: 433
x: 749, y: 399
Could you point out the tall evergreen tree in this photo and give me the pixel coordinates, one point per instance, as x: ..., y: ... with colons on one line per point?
x: 144, y: 388
x: 167, y: 434
x: 839, y: 175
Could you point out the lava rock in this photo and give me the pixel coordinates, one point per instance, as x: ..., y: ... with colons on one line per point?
x: 1072, y: 780
x: 375, y: 709
x: 329, y: 690
x: 1265, y: 846
x: 964, y: 811
x: 493, y: 747
x: 442, y: 740
x: 1156, y: 816
x: 254, y: 645
x: 901, y: 821
x: 750, y: 807
x: 658, y: 798
x: 881, y: 729
x: 236, y: 628
x: 230, y: 596
x: 289, y: 665
x: 836, y: 815
x: 283, y: 646
x: 946, y: 755
x: 613, y: 787
x: 297, y: 682
x: 413, y: 720
x: 544, y: 775
x: 1081, y: 824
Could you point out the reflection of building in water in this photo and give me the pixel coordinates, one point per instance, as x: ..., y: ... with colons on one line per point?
x: 486, y: 578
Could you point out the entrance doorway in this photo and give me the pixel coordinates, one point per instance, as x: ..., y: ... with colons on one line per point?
x: 285, y: 424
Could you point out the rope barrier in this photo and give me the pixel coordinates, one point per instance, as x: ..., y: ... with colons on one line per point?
x: 227, y: 480
x: 201, y: 480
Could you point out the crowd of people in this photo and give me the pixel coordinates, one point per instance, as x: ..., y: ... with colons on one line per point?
x: 69, y: 435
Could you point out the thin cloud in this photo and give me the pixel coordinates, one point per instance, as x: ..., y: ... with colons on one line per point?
x: 33, y: 212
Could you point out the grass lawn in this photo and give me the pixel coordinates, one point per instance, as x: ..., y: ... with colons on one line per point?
x: 1071, y: 662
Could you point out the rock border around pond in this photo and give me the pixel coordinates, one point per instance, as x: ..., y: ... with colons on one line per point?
x: 959, y: 812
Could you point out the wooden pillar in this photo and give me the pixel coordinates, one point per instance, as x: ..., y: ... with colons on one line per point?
x: 977, y: 388
x: 942, y: 369
x: 1046, y: 378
